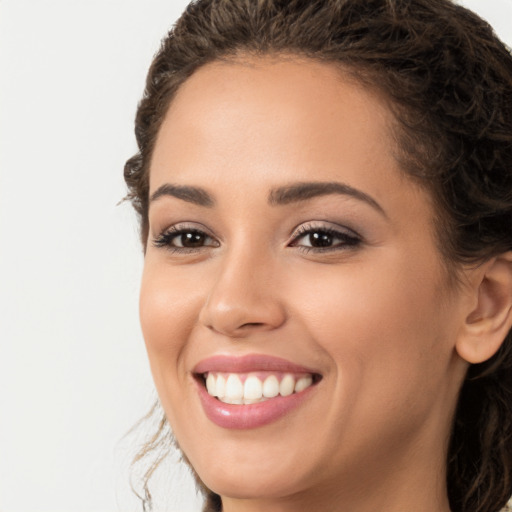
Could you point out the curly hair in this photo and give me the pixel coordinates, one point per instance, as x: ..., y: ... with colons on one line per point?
x: 448, y: 79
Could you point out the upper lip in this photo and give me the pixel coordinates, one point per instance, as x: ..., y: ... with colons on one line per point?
x: 249, y: 363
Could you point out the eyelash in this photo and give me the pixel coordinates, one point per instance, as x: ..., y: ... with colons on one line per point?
x: 349, y: 240
x: 166, y: 239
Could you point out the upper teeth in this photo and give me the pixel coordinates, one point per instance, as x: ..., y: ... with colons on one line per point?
x: 250, y: 388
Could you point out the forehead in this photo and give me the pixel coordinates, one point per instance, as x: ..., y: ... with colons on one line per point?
x: 267, y: 112
x: 274, y: 83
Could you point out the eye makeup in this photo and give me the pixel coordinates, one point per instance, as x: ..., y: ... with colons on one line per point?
x: 318, y: 237
x: 308, y: 237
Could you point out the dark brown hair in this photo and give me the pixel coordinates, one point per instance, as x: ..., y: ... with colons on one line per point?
x: 448, y: 80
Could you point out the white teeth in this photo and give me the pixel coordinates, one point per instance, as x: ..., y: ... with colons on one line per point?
x: 271, y: 387
x: 211, y: 384
x: 253, y: 388
x: 220, y: 388
x: 241, y: 401
x: 248, y: 401
x: 230, y: 389
x: 235, y: 401
x: 302, y: 384
x: 287, y: 385
x: 234, y: 387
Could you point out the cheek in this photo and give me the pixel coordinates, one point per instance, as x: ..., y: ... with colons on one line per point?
x: 167, y: 316
x: 382, y: 322
x: 390, y: 346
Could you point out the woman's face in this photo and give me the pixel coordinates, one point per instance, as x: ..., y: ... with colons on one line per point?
x: 286, y: 248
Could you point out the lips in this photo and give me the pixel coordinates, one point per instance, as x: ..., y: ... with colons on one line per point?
x: 253, y: 390
x: 248, y: 363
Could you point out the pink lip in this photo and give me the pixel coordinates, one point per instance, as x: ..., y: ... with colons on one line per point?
x: 249, y: 363
x: 255, y: 415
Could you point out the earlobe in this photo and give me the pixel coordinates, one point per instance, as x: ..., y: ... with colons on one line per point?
x: 489, y: 322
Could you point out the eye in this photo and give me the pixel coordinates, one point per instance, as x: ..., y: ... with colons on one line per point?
x: 190, y: 239
x: 184, y: 239
x: 323, y: 238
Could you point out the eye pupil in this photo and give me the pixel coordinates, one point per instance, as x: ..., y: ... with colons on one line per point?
x: 320, y: 239
x: 192, y: 239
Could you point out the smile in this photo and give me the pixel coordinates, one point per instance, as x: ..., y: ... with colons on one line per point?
x: 252, y: 388
x: 251, y: 391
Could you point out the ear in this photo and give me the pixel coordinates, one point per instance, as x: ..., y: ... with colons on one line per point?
x: 490, y: 318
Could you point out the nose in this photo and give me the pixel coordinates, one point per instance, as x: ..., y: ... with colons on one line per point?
x: 243, y: 298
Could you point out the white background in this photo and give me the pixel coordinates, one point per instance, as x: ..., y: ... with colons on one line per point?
x: 73, y: 371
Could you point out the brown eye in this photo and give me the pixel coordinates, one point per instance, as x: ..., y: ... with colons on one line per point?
x: 192, y: 239
x: 324, y: 239
x: 320, y: 239
x: 185, y: 239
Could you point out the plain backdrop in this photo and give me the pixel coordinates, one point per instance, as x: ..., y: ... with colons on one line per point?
x: 73, y: 371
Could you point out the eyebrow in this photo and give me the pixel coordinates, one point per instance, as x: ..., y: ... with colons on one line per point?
x: 297, y: 192
x: 189, y: 194
x: 293, y: 193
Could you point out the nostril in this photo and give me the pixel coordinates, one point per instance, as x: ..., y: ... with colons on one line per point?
x: 238, y: 318
x: 240, y: 331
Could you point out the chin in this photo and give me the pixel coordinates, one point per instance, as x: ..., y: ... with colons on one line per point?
x: 256, y: 473
x: 254, y: 485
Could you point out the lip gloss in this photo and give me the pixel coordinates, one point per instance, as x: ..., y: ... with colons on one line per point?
x: 249, y: 363
x: 234, y: 416
x: 249, y: 416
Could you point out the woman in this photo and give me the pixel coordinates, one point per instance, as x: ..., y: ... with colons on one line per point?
x: 325, y: 195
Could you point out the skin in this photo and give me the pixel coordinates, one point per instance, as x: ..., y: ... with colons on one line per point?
x: 377, y: 319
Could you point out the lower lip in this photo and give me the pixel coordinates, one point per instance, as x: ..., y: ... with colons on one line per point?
x: 249, y: 416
